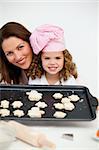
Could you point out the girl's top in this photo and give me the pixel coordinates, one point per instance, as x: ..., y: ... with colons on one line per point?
x: 43, y: 81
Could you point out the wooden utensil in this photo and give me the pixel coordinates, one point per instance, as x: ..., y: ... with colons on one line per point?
x: 36, y: 139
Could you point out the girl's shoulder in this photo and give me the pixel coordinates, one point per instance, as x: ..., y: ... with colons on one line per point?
x: 35, y: 81
x: 71, y: 81
x: 38, y: 81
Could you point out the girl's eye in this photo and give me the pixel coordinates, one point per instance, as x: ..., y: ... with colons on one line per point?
x: 47, y: 58
x: 58, y: 57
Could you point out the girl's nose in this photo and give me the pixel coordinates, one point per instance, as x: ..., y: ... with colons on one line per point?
x: 52, y: 62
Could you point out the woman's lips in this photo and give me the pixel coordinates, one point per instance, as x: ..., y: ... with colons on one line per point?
x: 22, y: 61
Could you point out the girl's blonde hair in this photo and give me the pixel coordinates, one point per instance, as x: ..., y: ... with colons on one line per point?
x: 69, y: 67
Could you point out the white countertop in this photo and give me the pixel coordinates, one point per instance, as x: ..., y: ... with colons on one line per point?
x: 83, y: 136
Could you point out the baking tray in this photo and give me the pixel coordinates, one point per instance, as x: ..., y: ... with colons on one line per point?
x: 85, y: 108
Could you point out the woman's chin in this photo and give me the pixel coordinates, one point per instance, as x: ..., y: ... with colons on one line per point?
x: 24, y: 66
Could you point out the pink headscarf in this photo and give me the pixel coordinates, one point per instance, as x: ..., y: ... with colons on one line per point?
x: 48, y: 38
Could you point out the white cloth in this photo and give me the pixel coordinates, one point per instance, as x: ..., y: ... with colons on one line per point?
x: 43, y: 81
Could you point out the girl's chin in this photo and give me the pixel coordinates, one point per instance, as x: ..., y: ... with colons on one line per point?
x: 53, y: 73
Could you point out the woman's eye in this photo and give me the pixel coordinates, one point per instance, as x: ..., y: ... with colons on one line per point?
x: 20, y: 47
x: 9, y: 54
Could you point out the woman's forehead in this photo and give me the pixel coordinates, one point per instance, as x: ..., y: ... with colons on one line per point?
x: 11, y: 43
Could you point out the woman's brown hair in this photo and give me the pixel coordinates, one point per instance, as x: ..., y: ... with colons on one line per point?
x: 10, y: 72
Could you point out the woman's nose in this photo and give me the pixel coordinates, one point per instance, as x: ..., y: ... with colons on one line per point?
x: 17, y: 56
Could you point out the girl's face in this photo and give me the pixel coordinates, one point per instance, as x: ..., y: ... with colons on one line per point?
x: 52, y: 62
x: 17, y: 52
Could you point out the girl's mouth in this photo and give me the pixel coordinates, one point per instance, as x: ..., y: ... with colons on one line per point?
x: 52, y: 68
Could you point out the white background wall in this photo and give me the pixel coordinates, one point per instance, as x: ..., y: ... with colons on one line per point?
x: 79, y: 19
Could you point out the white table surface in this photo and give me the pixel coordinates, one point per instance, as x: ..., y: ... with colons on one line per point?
x: 83, y: 136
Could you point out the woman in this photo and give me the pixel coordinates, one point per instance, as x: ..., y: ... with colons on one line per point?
x: 16, y: 55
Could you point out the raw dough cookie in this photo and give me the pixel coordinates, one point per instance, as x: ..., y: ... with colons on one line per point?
x: 34, y: 95
x: 59, y: 114
x: 65, y: 100
x: 18, y: 113
x: 69, y: 106
x: 73, y: 97
x: 4, y: 104
x: 59, y: 106
x: 17, y: 104
x: 35, y: 108
x: 41, y: 104
x: 4, y: 112
x: 58, y: 95
x: 35, y: 112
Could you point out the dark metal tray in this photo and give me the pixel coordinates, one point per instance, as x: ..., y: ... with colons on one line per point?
x: 85, y: 108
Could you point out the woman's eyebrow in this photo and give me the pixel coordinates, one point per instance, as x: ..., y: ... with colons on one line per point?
x: 19, y: 45
x: 7, y: 51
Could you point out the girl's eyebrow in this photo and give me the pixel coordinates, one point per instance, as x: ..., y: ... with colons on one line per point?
x: 58, y: 56
x: 54, y: 56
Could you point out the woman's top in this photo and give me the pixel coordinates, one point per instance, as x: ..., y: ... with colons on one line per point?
x: 22, y: 79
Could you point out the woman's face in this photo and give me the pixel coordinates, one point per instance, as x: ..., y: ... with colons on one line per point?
x: 52, y: 62
x: 17, y: 52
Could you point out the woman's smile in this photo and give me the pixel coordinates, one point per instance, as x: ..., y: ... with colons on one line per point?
x: 21, y: 61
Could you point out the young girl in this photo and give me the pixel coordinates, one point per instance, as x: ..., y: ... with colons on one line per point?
x: 55, y: 65
x: 16, y: 54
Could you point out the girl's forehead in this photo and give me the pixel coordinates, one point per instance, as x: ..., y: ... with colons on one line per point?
x: 52, y: 53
